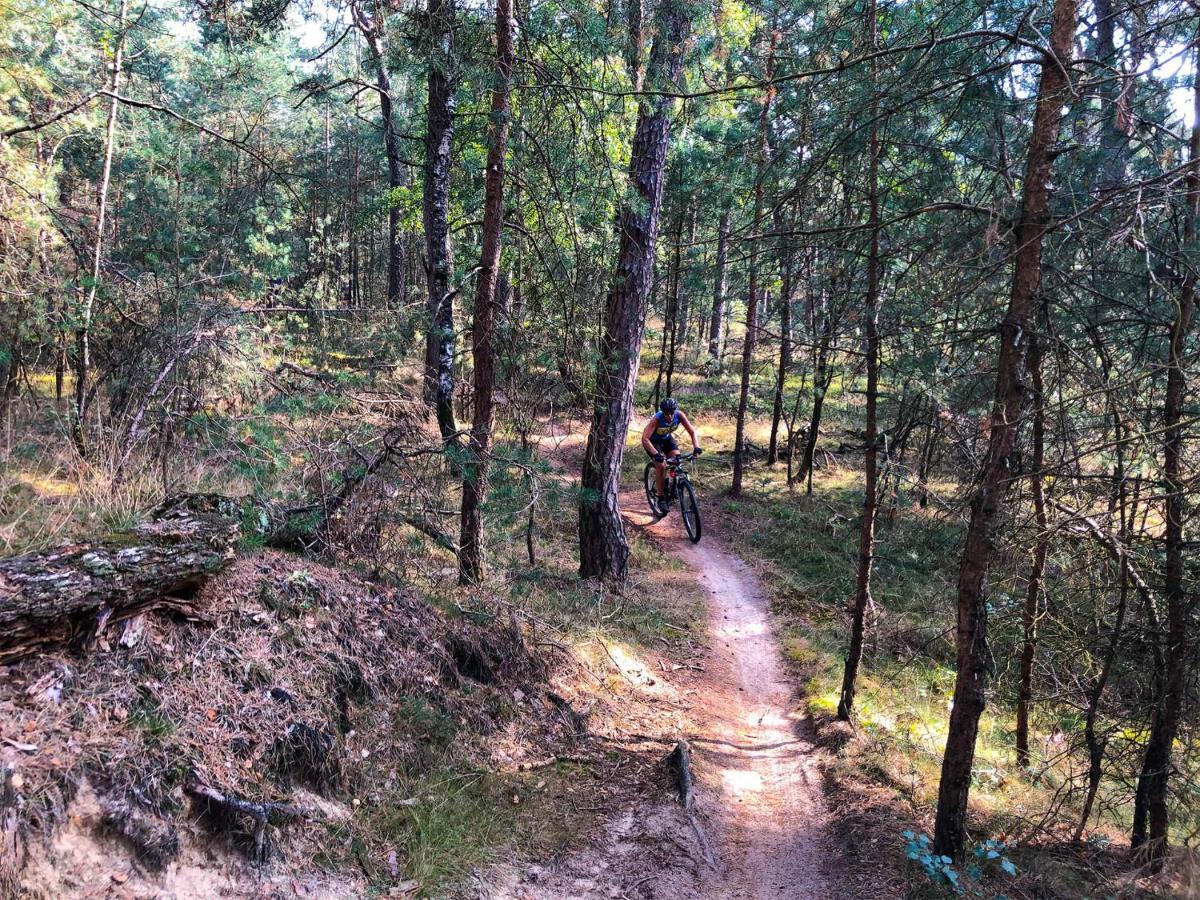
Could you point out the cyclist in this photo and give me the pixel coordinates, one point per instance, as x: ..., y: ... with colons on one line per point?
x: 658, y: 441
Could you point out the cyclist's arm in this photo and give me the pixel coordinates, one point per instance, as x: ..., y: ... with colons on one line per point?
x: 687, y: 426
x: 646, y: 432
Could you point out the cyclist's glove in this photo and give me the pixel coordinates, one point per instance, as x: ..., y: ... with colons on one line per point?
x: 658, y: 457
x: 697, y: 451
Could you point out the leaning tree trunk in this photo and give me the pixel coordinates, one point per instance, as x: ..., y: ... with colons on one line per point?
x: 1152, y: 793
x: 83, y: 334
x: 752, y: 301
x: 866, y: 532
x: 439, y: 136
x: 973, y: 657
x: 603, y: 550
x: 483, y: 331
x: 372, y: 29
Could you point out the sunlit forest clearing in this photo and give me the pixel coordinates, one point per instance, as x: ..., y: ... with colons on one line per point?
x: 639, y: 448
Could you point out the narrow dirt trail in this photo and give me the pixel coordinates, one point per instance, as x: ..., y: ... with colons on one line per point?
x: 759, y: 791
x: 760, y: 787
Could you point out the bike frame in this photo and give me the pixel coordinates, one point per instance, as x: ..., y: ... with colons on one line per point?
x: 676, y: 468
x: 676, y: 473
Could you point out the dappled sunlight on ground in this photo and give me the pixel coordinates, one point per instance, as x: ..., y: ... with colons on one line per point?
x: 45, y: 486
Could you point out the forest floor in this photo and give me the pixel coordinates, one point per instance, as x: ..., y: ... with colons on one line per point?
x: 763, y: 826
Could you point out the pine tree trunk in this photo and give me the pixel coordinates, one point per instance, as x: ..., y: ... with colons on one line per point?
x: 83, y: 334
x: 1111, y: 94
x: 1094, y: 742
x: 785, y: 343
x: 10, y: 375
x: 785, y: 364
x: 1033, y: 594
x: 634, y: 13
x: 925, y: 464
x: 439, y: 341
x: 483, y: 332
x: 603, y: 550
x: 866, y: 534
x: 1150, y: 840
x: 675, y: 312
x: 716, y: 322
x: 372, y: 29
x: 662, y: 343
x: 822, y: 378
x: 752, y: 301
x: 973, y: 656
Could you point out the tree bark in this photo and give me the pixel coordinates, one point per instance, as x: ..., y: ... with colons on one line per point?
x: 1034, y: 591
x: 603, y: 550
x: 634, y: 13
x: 752, y: 301
x: 439, y: 341
x: 866, y: 534
x: 10, y: 376
x: 675, y: 313
x: 822, y: 378
x: 665, y: 345
x: 925, y: 463
x: 483, y: 332
x: 785, y: 342
x: 987, y: 504
x: 1095, y: 743
x: 58, y: 596
x: 372, y: 28
x: 1151, y: 818
x: 1112, y: 92
x: 83, y: 334
x: 71, y: 592
x: 716, y: 322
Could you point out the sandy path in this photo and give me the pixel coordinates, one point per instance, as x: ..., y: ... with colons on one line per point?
x: 760, y: 790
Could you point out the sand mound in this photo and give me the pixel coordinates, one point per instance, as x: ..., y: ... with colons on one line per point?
x: 184, y: 758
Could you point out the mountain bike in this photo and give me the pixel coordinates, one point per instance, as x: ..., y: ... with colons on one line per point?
x: 679, y: 487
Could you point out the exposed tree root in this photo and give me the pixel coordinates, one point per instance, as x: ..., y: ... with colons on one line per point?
x: 680, y: 759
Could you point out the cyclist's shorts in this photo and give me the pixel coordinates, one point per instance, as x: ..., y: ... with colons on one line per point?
x: 664, y: 443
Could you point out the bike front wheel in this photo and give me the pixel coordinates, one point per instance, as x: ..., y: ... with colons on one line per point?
x: 690, y: 511
x: 650, y: 477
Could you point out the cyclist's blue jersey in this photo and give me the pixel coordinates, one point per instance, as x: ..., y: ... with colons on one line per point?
x: 665, y: 428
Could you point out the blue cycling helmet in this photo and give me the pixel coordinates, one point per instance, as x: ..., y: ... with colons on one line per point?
x: 669, y: 406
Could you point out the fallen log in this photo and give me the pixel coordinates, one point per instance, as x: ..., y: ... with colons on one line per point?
x: 69, y: 594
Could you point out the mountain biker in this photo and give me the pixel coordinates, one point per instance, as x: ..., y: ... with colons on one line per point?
x: 658, y: 440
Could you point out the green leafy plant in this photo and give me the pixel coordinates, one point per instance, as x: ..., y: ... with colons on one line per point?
x: 984, y: 859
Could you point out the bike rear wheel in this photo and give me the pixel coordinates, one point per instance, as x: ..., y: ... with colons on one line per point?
x: 689, y: 510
